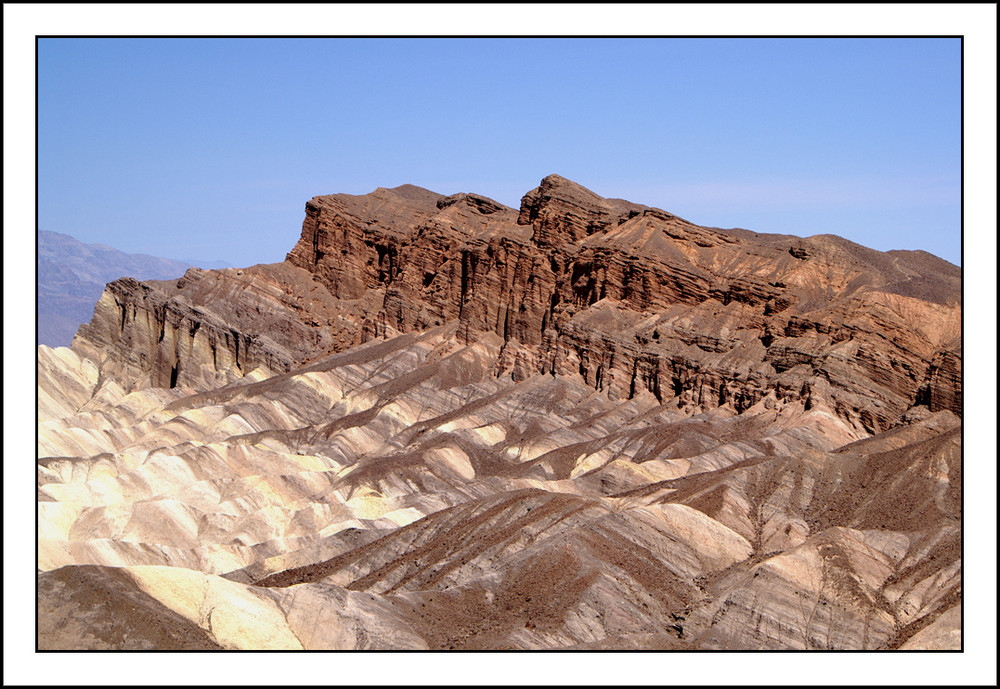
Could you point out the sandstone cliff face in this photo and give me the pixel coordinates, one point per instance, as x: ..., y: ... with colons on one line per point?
x: 212, y: 327
x: 627, y: 297
x: 632, y: 297
x: 561, y: 211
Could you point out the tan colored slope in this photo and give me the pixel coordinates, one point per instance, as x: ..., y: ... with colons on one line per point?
x: 171, y: 608
x: 458, y: 509
x: 213, y: 477
x: 66, y: 381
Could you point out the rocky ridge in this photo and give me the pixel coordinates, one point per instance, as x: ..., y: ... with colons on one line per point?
x: 625, y: 296
x: 444, y: 423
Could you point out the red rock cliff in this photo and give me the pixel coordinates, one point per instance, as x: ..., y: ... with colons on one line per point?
x: 632, y: 299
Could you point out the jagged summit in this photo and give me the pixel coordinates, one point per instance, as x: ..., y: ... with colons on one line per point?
x: 413, y: 192
x: 704, y: 317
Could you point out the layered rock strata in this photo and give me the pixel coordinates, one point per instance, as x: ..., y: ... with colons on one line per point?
x: 625, y: 296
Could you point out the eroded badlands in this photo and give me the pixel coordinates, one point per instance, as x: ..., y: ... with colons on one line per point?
x: 743, y: 465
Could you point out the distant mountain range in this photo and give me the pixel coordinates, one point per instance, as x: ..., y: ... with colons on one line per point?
x: 72, y: 276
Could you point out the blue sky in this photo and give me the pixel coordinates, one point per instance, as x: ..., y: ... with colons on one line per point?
x: 209, y: 148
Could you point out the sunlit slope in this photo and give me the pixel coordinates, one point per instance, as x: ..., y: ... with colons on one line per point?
x: 414, y: 499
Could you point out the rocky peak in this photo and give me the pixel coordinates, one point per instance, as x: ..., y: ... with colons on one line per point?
x: 413, y: 192
x: 480, y: 204
x: 561, y: 211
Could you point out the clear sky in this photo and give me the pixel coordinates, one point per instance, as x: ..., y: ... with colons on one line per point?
x: 209, y: 148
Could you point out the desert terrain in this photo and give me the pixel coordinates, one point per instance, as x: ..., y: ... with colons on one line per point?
x: 442, y: 423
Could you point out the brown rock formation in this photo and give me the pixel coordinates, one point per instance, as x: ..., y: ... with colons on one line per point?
x: 626, y: 296
x: 211, y: 327
x: 444, y: 423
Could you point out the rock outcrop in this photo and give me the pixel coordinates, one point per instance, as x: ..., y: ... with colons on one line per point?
x: 211, y: 327
x: 72, y: 276
x: 444, y: 423
x: 625, y: 296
